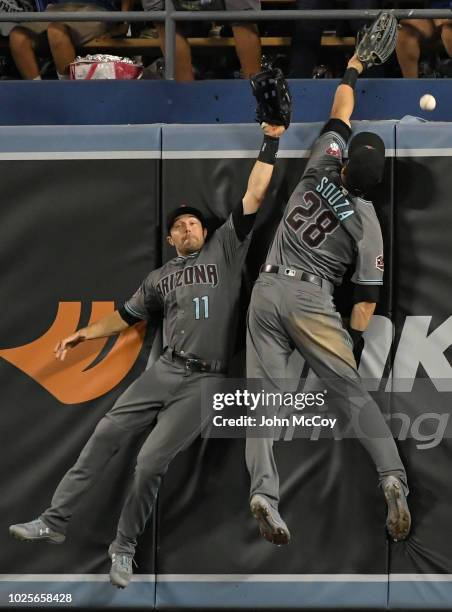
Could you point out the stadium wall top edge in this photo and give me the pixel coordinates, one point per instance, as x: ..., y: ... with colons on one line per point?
x: 206, y: 102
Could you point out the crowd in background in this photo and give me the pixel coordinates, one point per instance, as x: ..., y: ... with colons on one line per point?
x: 45, y: 50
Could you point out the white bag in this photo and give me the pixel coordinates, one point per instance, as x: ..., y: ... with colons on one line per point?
x: 93, y: 67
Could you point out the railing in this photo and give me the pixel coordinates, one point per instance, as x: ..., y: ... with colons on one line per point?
x: 170, y: 16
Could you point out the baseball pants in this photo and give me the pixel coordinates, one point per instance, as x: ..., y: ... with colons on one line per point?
x: 166, y: 396
x: 285, y: 314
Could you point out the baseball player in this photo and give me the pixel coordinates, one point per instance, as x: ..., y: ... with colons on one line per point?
x: 198, y: 292
x: 328, y: 224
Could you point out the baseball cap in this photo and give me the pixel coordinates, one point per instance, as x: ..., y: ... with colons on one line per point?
x: 184, y: 210
x: 366, y: 162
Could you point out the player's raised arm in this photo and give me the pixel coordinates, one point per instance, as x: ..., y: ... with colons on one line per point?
x: 107, y: 326
x: 262, y: 171
x: 344, y: 98
x: 274, y: 108
x: 375, y: 44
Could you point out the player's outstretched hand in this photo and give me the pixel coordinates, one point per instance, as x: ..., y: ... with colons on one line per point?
x: 354, y: 62
x: 273, y: 130
x: 67, y: 343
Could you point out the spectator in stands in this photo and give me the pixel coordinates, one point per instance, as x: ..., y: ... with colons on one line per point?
x: 63, y: 37
x: 246, y: 36
x: 307, y: 34
x: 13, y: 6
x: 416, y: 31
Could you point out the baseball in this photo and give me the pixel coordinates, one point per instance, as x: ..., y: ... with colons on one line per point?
x: 427, y: 102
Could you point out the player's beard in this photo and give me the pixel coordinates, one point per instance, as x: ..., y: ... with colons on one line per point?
x: 190, y: 245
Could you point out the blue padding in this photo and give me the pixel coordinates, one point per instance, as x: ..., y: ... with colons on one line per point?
x: 80, y: 138
x: 140, y: 102
x: 84, y: 594
x: 420, y: 594
x: 212, y: 138
x: 411, y: 594
x: 424, y: 136
x: 249, y: 137
x: 249, y: 594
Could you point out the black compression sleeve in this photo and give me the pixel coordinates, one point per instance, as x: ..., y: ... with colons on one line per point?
x: 338, y: 126
x: 243, y: 224
x: 366, y: 293
x: 127, y: 317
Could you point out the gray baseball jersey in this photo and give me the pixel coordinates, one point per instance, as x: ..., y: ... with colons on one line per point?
x: 198, y: 295
x: 324, y: 227
x: 322, y: 231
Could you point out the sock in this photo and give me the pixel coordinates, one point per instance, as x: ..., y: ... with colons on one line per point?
x: 62, y: 77
x: 38, y: 78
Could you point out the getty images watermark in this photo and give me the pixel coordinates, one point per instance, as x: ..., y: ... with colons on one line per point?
x: 313, y: 409
x: 266, y: 409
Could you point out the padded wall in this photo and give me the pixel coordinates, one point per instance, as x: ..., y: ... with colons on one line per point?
x: 78, y: 234
x: 332, y: 481
x: 421, y: 370
x: 82, y: 223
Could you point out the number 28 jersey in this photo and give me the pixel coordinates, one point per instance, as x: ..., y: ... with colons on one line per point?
x: 324, y: 228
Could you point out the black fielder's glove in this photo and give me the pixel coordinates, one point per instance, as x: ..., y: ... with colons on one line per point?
x: 377, y: 42
x: 274, y: 102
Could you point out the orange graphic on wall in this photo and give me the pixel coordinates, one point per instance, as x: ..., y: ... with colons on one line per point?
x: 73, y: 381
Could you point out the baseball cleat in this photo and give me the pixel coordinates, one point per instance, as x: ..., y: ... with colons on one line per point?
x: 398, y: 521
x: 271, y: 525
x: 121, y: 571
x: 36, y: 531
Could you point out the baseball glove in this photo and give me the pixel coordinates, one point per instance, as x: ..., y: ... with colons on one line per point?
x: 375, y: 43
x: 274, y: 103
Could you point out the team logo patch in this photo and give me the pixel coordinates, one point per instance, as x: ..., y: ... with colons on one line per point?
x: 333, y: 149
x: 379, y: 263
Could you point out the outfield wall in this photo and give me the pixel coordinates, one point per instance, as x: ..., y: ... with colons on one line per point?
x: 82, y: 210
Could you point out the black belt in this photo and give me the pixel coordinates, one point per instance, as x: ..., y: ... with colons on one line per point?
x: 199, y: 365
x: 297, y: 274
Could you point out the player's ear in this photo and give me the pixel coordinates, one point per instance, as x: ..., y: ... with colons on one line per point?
x: 169, y: 240
x: 204, y: 233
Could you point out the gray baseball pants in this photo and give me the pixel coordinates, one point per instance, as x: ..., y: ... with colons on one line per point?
x: 166, y: 396
x: 285, y: 313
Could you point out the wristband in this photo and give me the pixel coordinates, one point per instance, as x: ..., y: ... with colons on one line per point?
x: 350, y: 77
x: 269, y: 150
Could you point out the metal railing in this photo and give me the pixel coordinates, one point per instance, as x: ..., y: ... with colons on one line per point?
x: 170, y: 16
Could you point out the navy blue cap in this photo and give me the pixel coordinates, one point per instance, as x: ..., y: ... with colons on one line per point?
x: 366, y: 162
x: 184, y: 210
